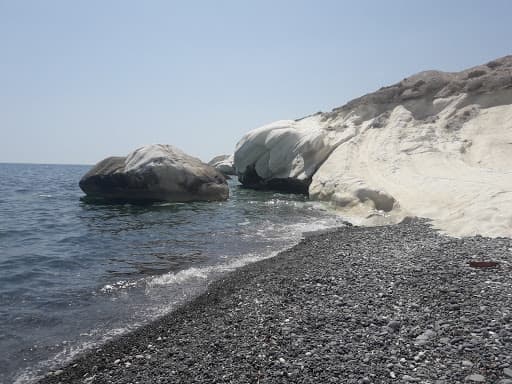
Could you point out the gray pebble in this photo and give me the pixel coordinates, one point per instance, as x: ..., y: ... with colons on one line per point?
x: 410, y: 379
x: 477, y: 378
x: 424, y: 337
x: 394, y: 325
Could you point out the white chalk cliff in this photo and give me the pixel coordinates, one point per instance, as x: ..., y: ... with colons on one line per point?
x: 435, y: 145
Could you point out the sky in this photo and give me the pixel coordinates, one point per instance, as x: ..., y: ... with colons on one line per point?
x: 83, y: 80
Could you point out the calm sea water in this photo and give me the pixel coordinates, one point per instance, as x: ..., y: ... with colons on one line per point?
x: 75, y: 273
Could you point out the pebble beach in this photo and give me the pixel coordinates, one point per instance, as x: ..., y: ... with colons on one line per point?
x: 389, y: 304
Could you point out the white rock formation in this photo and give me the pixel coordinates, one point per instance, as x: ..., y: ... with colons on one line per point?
x: 223, y: 164
x: 155, y: 173
x: 284, y: 154
x: 436, y: 145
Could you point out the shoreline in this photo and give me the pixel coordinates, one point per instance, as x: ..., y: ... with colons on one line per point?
x: 384, y: 304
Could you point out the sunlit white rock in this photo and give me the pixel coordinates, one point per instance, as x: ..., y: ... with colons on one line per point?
x: 435, y: 145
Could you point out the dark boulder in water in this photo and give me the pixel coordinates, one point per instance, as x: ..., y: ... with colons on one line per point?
x: 155, y: 173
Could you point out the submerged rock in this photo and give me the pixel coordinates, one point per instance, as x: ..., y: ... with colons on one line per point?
x: 155, y: 173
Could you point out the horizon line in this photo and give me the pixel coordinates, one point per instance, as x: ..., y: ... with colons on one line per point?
x: 33, y: 163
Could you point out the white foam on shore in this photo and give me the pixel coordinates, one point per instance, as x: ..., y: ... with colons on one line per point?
x: 204, y: 273
x: 189, y: 282
x: 290, y: 235
x: 121, y: 284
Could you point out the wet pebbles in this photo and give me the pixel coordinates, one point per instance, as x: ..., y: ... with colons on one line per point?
x: 395, y: 304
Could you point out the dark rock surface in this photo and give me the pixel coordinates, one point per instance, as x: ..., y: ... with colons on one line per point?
x: 155, y: 173
x: 393, y: 304
x: 250, y: 179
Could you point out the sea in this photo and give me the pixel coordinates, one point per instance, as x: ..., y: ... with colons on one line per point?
x: 76, y: 273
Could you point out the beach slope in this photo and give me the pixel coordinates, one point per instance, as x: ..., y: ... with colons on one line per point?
x: 356, y: 305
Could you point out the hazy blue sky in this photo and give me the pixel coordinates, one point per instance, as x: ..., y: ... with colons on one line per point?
x: 81, y: 80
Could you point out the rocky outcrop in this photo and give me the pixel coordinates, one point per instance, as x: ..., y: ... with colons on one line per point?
x: 223, y: 164
x: 435, y: 145
x: 284, y: 155
x: 155, y: 173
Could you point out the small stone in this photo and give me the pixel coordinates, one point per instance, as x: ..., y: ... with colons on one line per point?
x: 394, y: 325
x: 483, y: 264
x: 117, y: 361
x: 467, y: 363
x: 58, y: 372
x: 392, y: 374
x: 281, y: 360
x: 365, y: 380
x: 419, y: 356
x: 410, y: 379
x: 127, y: 364
x: 507, y: 372
x: 424, y: 337
x: 139, y: 356
x: 476, y: 378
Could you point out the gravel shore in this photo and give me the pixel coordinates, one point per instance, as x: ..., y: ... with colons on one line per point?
x: 392, y: 304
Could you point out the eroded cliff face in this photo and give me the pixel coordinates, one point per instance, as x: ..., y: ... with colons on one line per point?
x: 284, y: 155
x: 435, y: 145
